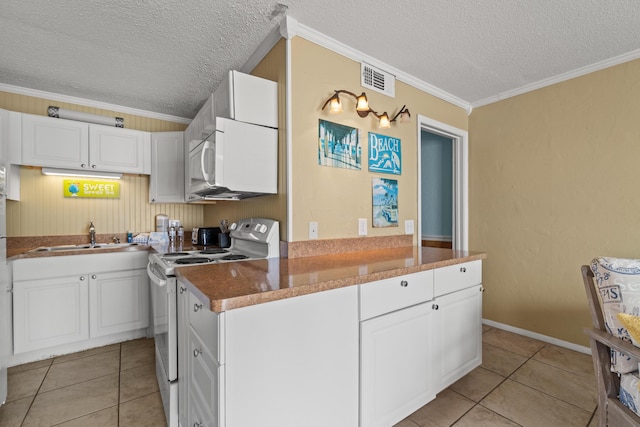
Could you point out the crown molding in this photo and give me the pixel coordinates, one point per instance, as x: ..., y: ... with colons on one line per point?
x: 90, y: 103
x: 617, y: 60
x: 351, y: 53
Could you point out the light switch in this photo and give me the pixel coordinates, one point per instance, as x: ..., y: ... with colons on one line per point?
x: 362, y: 227
x: 313, y: 230
x: 408, y: 226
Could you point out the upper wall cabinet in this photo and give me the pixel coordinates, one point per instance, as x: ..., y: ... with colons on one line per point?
x: 10, y: 133
x: 247, y: 98
x: 63, y: 143
x: 166, y: 183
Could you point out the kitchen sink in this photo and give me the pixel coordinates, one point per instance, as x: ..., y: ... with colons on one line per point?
x: 83, y: 247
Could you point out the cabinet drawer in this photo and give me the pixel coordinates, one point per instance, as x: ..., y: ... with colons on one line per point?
x: 456, y: 277
x: 388, y: 295
x: 206, y: 323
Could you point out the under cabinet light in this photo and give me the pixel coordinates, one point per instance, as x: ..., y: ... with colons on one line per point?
x: 84, y: 174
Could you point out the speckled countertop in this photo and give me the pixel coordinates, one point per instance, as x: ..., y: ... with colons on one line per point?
x: 239, y: 284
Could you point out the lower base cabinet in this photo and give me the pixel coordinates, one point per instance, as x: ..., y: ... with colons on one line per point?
x: 349, y: 357
x: 286, y: 363
x: 49, y: 312
x: 457, y: 335
x: 396, y: 365
x: 56, y: 301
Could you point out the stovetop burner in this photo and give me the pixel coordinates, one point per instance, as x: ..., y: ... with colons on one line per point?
x: 193, y: 260
x: 234, y: 257
x: 213, y: 251
x: 174, y: 254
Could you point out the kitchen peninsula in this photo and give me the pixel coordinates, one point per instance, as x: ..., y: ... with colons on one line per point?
x: 353, y: 339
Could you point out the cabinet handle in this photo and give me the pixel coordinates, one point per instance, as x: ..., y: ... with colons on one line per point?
x: 83, y: 165
x: 404, y: 283
x: 93, y: 276
x: 482, y: 289
x: 93, y: 166
x: 435, y: 306
x: 463, y: 270
x: 196, y: 352
x: 197, y: 424
x: 197, y: 307
x: 182, y: 289
x: 82, y: 277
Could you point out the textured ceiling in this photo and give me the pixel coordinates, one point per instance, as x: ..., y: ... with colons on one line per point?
x: 166, y: 56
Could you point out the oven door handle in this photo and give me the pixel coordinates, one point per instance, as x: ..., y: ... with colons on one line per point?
x: 157, y: 280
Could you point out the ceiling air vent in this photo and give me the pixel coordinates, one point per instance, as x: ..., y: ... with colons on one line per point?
x: 378, y: 80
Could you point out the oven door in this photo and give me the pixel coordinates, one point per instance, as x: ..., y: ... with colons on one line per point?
x: 165, y: 319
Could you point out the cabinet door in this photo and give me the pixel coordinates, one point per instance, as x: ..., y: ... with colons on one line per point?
x: 49, y: 312
x: 10, y: 138
x: 119, y: 302
x: 395, y: 365
x: 119, y: 150
x: 204, y: 399
x: 457, y: 334
x: 54, y: 142
x: 183, y: 355
x: 166, y: 183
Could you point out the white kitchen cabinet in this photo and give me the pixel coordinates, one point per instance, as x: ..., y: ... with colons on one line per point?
x: 247, y: 98
x: 396, y: 355
x: 89, y: 300
x: 202, y: 124
x: 59, y: 143
x: 10, y: 136
x: 457, y: 334
x: 396, y: 365
x: 183, y: 356
x: 49, y: 312
x: 288, y: 363
x: 118, y: 302
x: 166, y: 183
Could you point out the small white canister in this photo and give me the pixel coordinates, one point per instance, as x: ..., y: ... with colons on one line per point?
x: 162, y: 223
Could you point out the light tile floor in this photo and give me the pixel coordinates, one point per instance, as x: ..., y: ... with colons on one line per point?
x: 522, y: 382
x: 108, y: 386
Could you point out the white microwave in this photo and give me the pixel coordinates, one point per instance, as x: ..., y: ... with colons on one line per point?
x: 238, y: 160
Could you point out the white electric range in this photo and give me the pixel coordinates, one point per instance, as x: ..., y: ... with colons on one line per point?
x: 251, y: 238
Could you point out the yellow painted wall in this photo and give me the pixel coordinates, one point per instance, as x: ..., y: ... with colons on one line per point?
x: 43, y: 211
x: 336, y: 197
x: 272, y: 67
x: 554, y: 183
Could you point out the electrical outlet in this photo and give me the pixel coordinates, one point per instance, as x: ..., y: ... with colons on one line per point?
x: 313, y: 230
x: 362, y: 227
x: 408, y: 226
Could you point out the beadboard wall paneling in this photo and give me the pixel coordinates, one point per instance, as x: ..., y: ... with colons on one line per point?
x: 44, y: 211
x: 272, y: 67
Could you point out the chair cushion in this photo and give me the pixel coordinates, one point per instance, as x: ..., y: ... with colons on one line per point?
x: 618, y: 282
x: 629, y: 393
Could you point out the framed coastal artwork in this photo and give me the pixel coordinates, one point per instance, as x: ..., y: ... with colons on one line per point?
x: 385, y: 202
x: 339, y: 146
x: 385, y: 154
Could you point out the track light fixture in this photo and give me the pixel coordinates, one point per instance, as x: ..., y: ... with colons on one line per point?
x: 363, y: 109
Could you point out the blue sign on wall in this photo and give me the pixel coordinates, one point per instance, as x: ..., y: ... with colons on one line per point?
x: 385, y: 154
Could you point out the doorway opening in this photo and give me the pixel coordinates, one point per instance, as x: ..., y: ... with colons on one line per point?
x: 442, y: 185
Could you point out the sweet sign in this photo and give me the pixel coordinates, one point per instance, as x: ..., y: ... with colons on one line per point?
x: 385, y: 154
x: 91, y: 189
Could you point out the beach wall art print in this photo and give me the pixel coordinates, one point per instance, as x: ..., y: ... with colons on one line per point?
x: 339, y: 146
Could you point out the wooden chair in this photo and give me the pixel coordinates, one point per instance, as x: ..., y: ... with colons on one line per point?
x: 611, y: 412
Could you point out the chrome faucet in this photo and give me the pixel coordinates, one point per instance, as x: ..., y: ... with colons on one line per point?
x: 92, y: 233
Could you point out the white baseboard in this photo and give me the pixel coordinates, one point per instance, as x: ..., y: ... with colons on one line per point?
x: 539, y: 337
